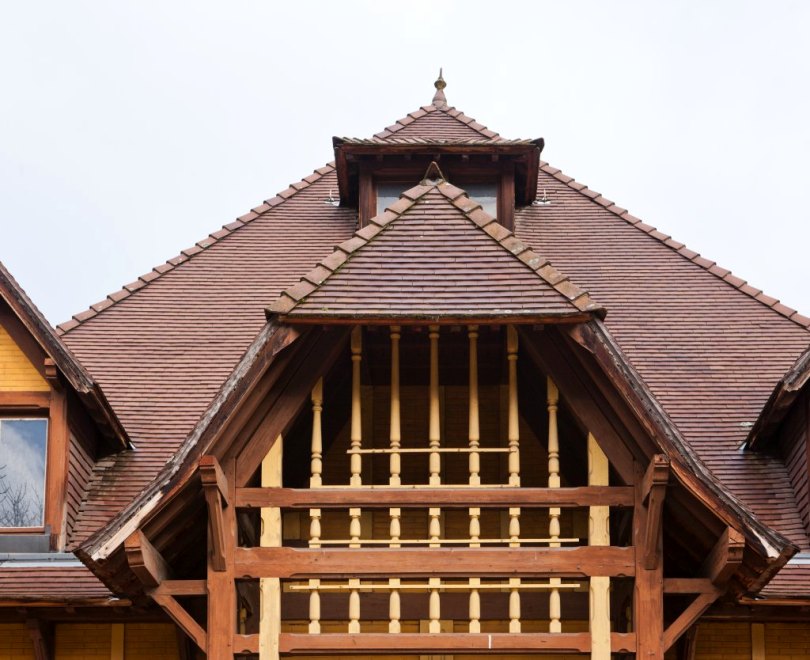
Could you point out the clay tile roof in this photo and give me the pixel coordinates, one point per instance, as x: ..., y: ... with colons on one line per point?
x: 52, y: 582
x: 433, y: 254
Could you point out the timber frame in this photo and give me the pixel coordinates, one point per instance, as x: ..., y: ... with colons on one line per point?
x: 281, y: 374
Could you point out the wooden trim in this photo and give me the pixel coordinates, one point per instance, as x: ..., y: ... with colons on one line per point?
x: 42, y: 638
x: 180, y: 588
x: 688, y: 617
x: 648, y: 601
x: 117, y: 641
x: 24, y: 400
x: 567, y: 318
x: 145, y: 561
x: 461, y: 497
x: 354, y: 562
x: 725, y: 557
x: 183, y: 619
x: 506, y: 196
x: 758, y: 641
x: 653, y: 491
x: 58, y: 454
x: 688, y: 586
x: 444, y: 643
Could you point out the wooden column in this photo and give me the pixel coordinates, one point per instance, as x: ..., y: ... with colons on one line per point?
x: 475, y: 605
x: 221, y: 586
x: 648, y: 597
x: 434, y: 434
x: 474, y: 439
x: 270, y: 587
x: 395, y: 441
x: 356, y: 458
x: 315, y: 481
x: 553, y: 398
x: 599, y: 534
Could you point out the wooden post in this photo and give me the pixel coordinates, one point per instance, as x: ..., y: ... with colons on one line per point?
x: 475, y: 605
x: 395, y: 435
x: 553, y: 398
x: 648, y: 601
x: 222, y: 608
x: 474, y: 426
x: 514, y: 605
x: 117, y: 641
x: 513, y: 431
x: 434, y: 434
x: 435, y: 606
x: 354, y: 606
x: 315, y: 514
x: 394, y: 612
x: 314, y: 607
x: 270, y: 587
x: 356, y: 459
x: 599, y: 534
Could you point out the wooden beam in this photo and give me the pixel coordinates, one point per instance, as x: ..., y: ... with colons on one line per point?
x: 653, y: 491
x: 183, y: 619
x: 648, y: 594
x: 381, y: 498
x: 215, y: 487
x: 724, y: 558
x: 42, y: 638
x: 180, y: 588
x: 688, y: 586
x: 688, y: 617
x: 339, y: 644
x: 145, y: 561
x: 20, y: 400
x: 462, y: 562
x: 57, y: 468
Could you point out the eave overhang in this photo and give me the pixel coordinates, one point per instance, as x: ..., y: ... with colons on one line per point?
x: 350, y: 152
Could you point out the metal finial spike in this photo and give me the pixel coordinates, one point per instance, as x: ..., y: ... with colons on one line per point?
x: 439, y: 99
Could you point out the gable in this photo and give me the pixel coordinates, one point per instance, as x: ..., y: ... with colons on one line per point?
x: 17, y: 373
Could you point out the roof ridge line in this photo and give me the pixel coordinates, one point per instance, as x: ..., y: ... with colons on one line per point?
x: 473, y: 212
x: 185, y: 255
x: 690, y: 255
x: 411, y: 117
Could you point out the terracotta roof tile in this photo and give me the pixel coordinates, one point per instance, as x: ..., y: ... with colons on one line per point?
x: 443, y: 262
x: 51, y: 583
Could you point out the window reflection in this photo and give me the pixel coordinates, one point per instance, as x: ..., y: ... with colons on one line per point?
x: 23, y: 444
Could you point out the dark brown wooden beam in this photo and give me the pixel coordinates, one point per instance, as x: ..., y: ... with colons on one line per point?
x: 351, y: 562
x: 688, y: 586
x: 653, y: 491
x: 688, y: 617
x: 180, y: 588
x: 648, y: 595
x: 725, y: 558
x: 145, y: 561
x: 215, y: 487
x: 383, y: 498
x: 183, y: 619
x: 41, y: 634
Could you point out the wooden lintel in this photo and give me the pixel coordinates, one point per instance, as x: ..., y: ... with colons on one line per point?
x: 339, y: 644
x: 725, y: 557
x: 350, y: 562
x: 688, y: 617
x: 688, y: 586
x: 215, y: 487
x: 212, y: 476
x: 145, y: 561
x: 482, y: 497
x: 653, y: 491
x: 27, y: 400
x: 183, y: 619
x: 180, y: 588
x: 42, y: 639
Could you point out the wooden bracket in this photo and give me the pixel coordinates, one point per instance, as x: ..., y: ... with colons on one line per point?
x: 183, y: 619
x: 145, y: 561
x: 653, y: 491
x: 725, y: 558
x: 688, y: 617
x: 215, y: 486
x: 52, y: 374
x: 41, y: 634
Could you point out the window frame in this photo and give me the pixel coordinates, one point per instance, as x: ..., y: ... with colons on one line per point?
x: 11, y: 415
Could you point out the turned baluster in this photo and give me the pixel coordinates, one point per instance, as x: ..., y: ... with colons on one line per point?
x: 354, y: 606
x: 394, y: 612
x: 356, y: 437
x: 317, y: 462
x: 475, y: 605
x: 434, y: 434
x: 553, y: 512
x: 599, y: 535
x: 314, y: 607
x: 435, y: 606
x: 514, y: 605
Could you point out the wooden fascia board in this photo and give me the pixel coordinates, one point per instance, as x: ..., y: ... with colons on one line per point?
x: 572, y: 318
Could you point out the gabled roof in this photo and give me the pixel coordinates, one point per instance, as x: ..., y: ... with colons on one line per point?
x: 434, y: 254
x: 75, y: 374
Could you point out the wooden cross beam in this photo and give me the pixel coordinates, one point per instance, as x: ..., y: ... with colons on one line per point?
x: 145, y: 560
x: 215, y: 486
x: 653, y: 491
x: 182, y: 618
x: 725, y: 558
x: 688, y: 617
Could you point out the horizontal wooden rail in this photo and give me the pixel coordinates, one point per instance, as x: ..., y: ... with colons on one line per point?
x: 460, y: 562
x: 440, y: 542
x: 425, y: 496
x: 435, y: 450
x: 424, y: 586
x: 443, y: 643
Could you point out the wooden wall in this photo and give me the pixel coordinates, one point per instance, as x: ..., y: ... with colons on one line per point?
x: 17, y: 374
x: 793, y: 445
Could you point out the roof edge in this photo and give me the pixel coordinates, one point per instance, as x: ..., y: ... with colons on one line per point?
x: 722, y: 273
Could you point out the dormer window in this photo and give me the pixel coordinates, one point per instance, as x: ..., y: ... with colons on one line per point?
x: 23, y: 454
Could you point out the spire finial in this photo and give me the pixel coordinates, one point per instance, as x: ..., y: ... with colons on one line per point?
x: 439, y: 99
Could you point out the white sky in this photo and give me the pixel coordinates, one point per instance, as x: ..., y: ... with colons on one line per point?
x: 130, y: 130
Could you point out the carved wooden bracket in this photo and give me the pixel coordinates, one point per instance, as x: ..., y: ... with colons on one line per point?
x: 653, y: 490
x: 725, y: 558
x: 215, y: 486
x: 145, y: 561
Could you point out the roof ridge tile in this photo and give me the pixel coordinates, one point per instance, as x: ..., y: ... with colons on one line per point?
x: 185, y: 255
x: 710, y: 266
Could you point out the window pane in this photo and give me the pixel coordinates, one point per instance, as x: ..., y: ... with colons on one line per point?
x: 486, y: 194
x: 388, y: 193
x: 22, y: 472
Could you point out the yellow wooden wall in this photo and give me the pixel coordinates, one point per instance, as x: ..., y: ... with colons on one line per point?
x: 741, y: 641
x: 17, y: 374
x: 92, y: 641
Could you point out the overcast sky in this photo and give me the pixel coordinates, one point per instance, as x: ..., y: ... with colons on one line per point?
x: 131, y: 130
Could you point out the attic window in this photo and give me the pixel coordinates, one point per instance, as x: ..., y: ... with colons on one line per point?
x: 23, y: 448
x: 486, y: 194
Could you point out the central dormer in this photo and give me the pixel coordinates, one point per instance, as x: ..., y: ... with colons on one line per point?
x: 499, y: 174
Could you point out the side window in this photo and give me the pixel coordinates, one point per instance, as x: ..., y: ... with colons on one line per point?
x: 388, y: 193
x: 23, y: 451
